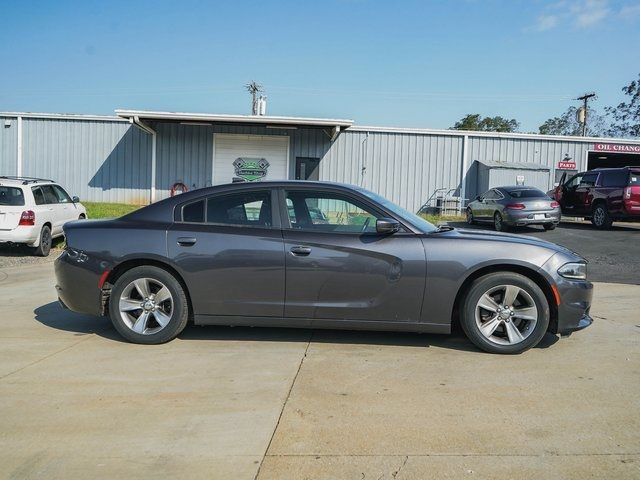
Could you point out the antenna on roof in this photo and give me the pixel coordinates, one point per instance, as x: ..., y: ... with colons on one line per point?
x: 258, y: 104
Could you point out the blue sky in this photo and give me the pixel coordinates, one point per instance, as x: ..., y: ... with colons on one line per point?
x: 392, y: 63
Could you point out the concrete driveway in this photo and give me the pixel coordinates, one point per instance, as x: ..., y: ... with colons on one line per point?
x: 76, y: 402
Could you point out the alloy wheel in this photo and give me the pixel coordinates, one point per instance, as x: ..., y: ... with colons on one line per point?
x: 146, y: 306
x: 598, y: 216
x: 506, y: 314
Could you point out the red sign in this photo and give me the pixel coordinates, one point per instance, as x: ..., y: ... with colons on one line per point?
x: 562, y: 165
x: 616, y: 147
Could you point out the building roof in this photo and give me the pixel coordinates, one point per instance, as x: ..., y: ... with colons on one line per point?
x: 222, y: 118
x: 514, y: 165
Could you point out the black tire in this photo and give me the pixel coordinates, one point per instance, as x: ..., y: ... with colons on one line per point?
x: 44, y: 247
x: 601, y: 218
x: 484, y: 284
x: 82, y: 217
x: 179, y: 314
x: 549, y: 226
x: 470, y: 219
x: 498, y: 223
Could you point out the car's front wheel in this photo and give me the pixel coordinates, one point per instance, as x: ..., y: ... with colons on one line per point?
x: 148, y: 305
x: 505, y: 312
x: 470, y: 219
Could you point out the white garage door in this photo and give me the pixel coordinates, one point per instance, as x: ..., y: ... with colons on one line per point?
x: 252, y: 157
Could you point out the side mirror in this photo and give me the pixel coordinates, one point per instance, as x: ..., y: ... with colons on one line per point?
x: 478, y: 198
x: 75, y: 199
x: 387, y: 225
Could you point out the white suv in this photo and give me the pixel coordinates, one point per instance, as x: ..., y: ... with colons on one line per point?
x: 33, y: 211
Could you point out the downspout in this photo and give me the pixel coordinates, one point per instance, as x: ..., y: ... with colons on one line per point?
x: 463, y: 180
x: 19, y: 153
x: 154, y: 142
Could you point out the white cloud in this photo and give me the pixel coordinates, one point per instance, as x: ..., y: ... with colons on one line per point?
x: 545, y: 22
x: 630, y: 11
x: 589, y: 12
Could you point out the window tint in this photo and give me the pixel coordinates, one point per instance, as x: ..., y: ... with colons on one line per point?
x: 329, y: 213
x: 574, y: 182
x: 246, y: 208
x: 634, y: 179
x: 193, y: 212
x: 589, y: 180
x: 12, y: 196
x: 490, y: 195
x: 63, y: 197
x: 38, y: 196
x: 527, y: 193
x: 49, y: 195
x: 615, y: 179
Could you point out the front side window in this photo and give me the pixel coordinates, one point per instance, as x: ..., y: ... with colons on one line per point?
x: 574, y: 182
x: 11, y: 196
x: 589, y: 180
x: 63, y: 197
x: 328, y: 212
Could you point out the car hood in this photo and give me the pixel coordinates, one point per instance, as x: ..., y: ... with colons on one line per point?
x: 498, y: 237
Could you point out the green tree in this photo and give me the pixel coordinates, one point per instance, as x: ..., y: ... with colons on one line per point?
x: 567, y: 124
x: 625, y: 117
x: 475, y: 121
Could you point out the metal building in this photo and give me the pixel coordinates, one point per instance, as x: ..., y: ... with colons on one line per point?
x: 137, y: 156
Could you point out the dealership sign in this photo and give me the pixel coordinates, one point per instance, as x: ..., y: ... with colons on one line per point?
x: 616, y: 147
x: 567, y: 165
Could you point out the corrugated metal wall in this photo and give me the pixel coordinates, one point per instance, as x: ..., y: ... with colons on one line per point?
x: 545, y: 152
x: 8, y: 146
x: 405, y: 168
x: 105, y: 161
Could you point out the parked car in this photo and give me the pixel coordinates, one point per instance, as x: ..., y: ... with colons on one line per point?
x: 514, y: 206
x: 603, y: 195
x: 33, y: 212
x: 199, y: 257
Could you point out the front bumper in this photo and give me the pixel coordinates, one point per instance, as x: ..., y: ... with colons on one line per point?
x: 523, y: 217
x: 575, y: 303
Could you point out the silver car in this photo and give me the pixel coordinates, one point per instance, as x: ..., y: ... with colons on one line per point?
x: 514, y: 206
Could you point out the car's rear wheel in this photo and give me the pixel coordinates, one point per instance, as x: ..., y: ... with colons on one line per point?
x: 549, y: 226
x: 505, y: 312
x: 601, y: 218
x: 470, y: 219
x: 148, y: 305
x: 498, y: 223
x: 44, y: 247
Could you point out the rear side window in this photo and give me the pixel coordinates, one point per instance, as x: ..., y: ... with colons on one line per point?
x: 11, y: 196
x: 193, y: 212
x: 614, y: 179
x: 527, y: 193
x: 38, y: 196
x: 49, y: 195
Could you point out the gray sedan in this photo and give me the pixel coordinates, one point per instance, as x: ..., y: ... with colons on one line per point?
x: 514, y: 206
x: 316, y: 255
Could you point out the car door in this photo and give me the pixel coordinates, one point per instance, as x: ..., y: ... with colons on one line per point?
x: 568, y: 199
x: 229, y: 248
x: 491, y: 203
x: 338, y: 268
x: 68, y: 210
x: 53, y: 210
x: 583, y: 193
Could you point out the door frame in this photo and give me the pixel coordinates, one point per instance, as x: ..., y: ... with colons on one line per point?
x: 213, y: 152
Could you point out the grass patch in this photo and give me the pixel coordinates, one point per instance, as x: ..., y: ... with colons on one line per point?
x: 108, y: 210
x: 436, y: 219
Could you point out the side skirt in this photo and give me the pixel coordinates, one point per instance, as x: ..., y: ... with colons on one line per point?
x: 238, y: 321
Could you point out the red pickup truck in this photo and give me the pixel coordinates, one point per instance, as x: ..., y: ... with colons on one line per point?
x: 603, y: 195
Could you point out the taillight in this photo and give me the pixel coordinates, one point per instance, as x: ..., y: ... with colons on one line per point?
x: 554, y: 204
x: 27, y: 218
x: 516, y: 206
x: 627, y: 192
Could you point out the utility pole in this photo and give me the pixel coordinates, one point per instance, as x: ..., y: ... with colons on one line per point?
x: 254, y: 88
x: 585, y: 98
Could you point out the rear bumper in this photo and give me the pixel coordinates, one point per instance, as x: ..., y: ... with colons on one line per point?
x: 520, y: 217
x: 21, y: 234
x: 77, y: 285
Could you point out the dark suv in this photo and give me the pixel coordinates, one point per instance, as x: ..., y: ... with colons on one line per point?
x: 602, y: 195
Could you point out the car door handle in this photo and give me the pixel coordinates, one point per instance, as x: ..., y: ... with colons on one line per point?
x: 300, y: 251
x: 186, y: 241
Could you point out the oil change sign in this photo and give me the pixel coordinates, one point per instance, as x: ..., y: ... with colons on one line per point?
x: 616, y: 147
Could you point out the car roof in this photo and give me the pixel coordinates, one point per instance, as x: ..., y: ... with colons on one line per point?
x: 518, y: 187
x: 18, y: 181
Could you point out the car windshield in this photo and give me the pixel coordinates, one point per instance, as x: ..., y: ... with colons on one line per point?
x: 526, y: 193
x: 412, y: 218
x: 12, y: 196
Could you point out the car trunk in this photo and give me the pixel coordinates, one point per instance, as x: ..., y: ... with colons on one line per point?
x: 10, y: 216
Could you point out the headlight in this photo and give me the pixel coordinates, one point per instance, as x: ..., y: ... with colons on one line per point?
x: 575, y: 271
